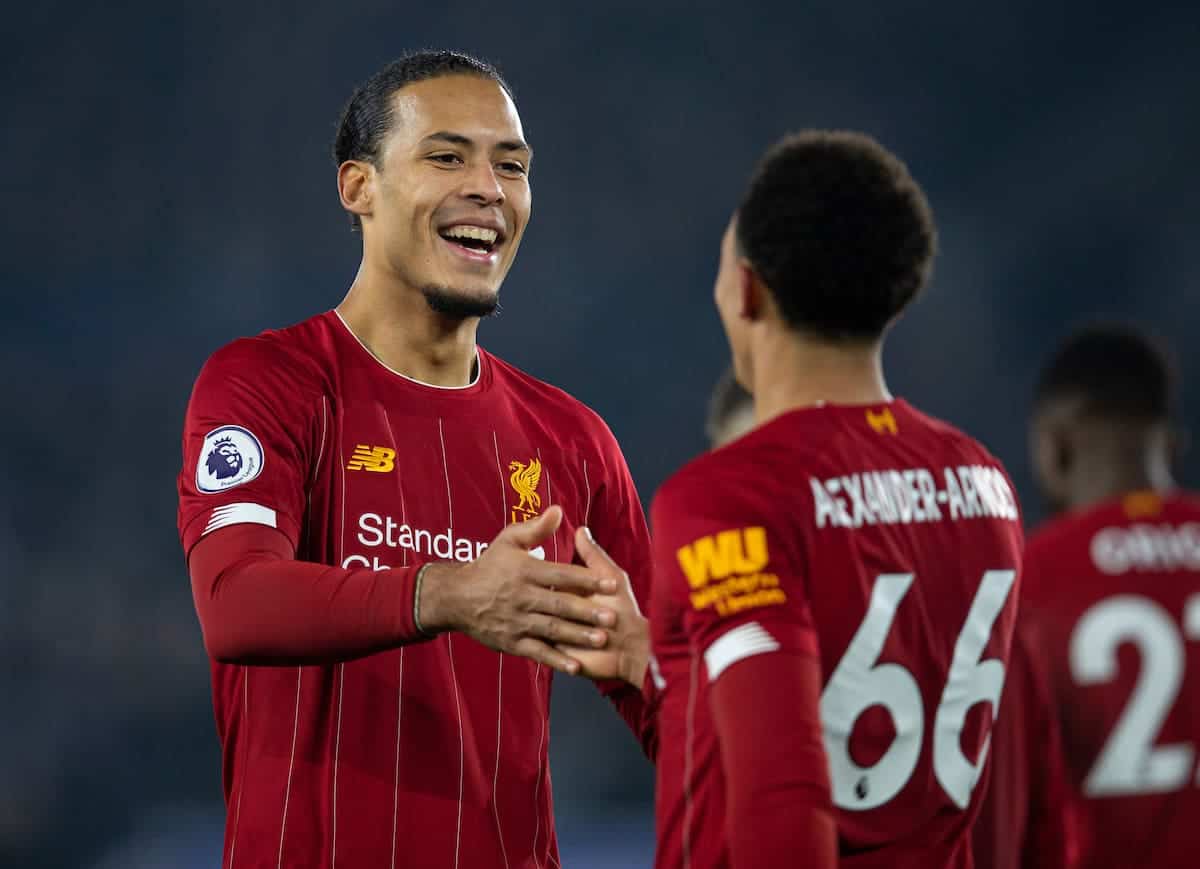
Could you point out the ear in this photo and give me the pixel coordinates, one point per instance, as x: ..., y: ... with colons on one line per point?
x: 1063, y: 456
x: 356, y: 186
x: 1052, y: 456
x: 751, y: 293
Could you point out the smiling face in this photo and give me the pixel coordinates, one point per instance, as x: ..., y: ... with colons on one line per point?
x: 446, y: 204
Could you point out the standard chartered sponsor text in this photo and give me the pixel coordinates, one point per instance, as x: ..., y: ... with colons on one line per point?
x: 376, y: 530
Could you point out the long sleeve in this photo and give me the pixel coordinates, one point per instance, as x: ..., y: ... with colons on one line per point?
x: 258, y: 605
x: 776, y: 778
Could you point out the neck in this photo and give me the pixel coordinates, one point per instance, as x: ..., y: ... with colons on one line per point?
x: 398, y: 327
x: 791, y: 372
x: 1115, y: 469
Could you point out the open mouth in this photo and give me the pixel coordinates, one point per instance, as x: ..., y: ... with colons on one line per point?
x: 475, y: 240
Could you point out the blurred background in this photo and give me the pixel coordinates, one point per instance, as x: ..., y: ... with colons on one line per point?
x: 168, y: 187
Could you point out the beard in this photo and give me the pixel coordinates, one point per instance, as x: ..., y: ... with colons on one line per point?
x: 460, y: 304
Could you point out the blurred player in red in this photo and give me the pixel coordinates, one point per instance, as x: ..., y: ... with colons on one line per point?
x: 1113, y: 587
x: 835, y: 591
x: 376, y: 512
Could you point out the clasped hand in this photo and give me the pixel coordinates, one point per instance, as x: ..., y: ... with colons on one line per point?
x: 581, y: 620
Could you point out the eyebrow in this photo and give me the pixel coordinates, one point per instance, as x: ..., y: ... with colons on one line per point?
x: 467, y: 142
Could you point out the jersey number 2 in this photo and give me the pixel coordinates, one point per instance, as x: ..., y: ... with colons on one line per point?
x: 1130, y: 763
x: 859, y: 683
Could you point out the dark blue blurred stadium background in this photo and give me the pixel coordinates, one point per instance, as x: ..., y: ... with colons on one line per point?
x: 168, y: 188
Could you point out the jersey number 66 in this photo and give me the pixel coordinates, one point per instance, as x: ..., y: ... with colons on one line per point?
x: 859, y: 682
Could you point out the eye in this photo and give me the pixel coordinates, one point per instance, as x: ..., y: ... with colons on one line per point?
x: 446, y: 159
x: 511, y: 167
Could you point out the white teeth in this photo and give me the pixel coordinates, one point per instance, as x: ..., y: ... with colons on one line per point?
x: 479, y: 233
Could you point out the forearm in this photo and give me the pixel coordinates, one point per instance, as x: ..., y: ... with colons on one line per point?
x: 637, y: 708
x: 776, y: 775
x: 257, y: 605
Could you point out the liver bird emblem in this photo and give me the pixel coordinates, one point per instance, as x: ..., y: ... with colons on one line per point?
x: 525, y: 479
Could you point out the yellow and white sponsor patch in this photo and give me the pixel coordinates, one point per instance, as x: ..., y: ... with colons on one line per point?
x: 728, y: 571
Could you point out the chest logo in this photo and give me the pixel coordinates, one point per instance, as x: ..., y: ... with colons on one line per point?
x: 524, y: 479
x: 883, y: 421
x: 377, y: 459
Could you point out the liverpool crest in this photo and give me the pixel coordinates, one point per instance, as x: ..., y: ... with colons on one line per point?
x: 525, y: 478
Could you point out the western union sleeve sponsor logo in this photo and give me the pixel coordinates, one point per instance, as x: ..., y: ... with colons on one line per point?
x: 727, y: 571
x: 738, y: 550
x: 901, y: 497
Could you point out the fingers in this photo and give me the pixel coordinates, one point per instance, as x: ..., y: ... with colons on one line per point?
x: 572, y: 578
x: 601, y: 562
x: 530, y: 534
x: 559, y: 632
x: 536, y: 650
x: 572, y: 608
x: 593, y: 554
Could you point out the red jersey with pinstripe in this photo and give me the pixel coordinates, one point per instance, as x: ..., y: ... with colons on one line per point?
x: 433, y: 754
x: 1114, y: 592
x: 886, y: 544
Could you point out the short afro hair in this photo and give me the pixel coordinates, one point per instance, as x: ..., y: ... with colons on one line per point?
x: 1118, y: 372
x: 838, y: 231
x: 367, y: 117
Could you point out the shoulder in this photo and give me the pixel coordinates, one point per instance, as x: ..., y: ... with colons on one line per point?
x: 1058, y: 553
x: 556, y: 408
x: 1181, y: 505
x: 1064, y: 533
x: 954, y: 441
x: 733, y: 481
x: 286, y: 359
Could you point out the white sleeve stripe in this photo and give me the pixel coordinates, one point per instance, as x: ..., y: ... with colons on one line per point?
x: 743, y: 641
x: 237, y: 514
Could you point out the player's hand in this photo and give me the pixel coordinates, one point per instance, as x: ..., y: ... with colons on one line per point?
x: 628, y: 648
x: 513, y: 602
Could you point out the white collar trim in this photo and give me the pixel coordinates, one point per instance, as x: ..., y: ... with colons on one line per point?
x: 382, y: 364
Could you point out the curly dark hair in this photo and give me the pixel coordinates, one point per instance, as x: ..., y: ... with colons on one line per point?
x: 1119, y: 373
x: 838, y: 231
x: 367, y: 117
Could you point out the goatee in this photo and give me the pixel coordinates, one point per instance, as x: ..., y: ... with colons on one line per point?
x: 458, y: 304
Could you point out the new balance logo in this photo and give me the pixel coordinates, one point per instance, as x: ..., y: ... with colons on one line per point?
x: 377, y: 459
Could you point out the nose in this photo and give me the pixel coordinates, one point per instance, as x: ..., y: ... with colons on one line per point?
x: 482, y: 186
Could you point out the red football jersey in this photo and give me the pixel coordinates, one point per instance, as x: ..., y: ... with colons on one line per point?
x: 1116, y: 593
x: 433, y: 754
x: 884, y: 541
x: 1027, y: 820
